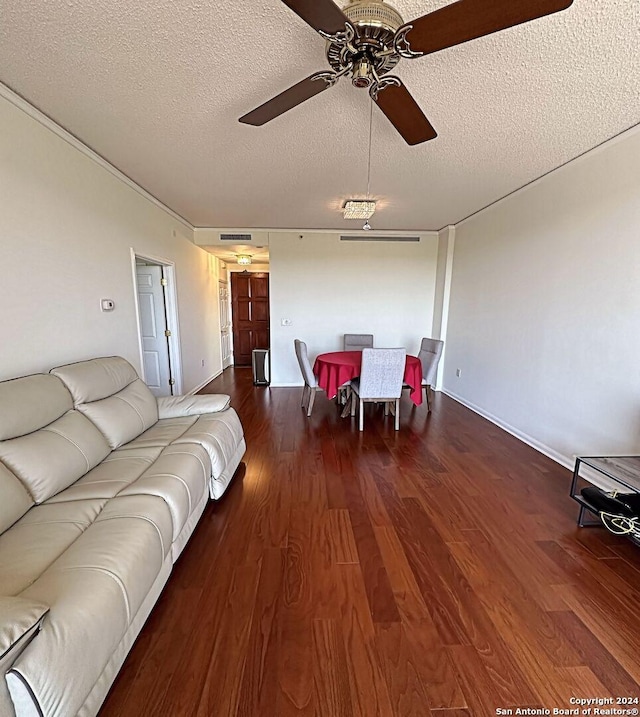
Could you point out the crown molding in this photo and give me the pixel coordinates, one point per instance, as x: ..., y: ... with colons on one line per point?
x: 271, y: 230
x: 17, y: 101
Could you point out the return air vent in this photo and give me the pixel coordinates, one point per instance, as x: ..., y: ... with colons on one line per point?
x: 237, y: 238
x: 368, y: 237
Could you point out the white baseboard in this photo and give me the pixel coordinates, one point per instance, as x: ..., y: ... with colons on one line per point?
x: 202, y: 385
x: 565, y: 461
x: 286, y: 385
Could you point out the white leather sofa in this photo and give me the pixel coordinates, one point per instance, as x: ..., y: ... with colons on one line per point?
x: 101, y: 485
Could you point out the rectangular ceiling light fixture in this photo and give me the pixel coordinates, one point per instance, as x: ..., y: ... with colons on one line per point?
x: 359, y: 209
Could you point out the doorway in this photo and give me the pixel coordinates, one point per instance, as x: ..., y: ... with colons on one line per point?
x: 156, y: 309
x: 225, y: 324
x: 250, y: 311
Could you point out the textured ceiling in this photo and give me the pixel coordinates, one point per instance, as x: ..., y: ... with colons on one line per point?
x: 156, y: 87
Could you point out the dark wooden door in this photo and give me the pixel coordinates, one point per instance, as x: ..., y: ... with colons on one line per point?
x: 250, y: 315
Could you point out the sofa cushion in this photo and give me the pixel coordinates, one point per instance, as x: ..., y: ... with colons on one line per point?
x: 109, y: 392
x: 188, y: 405
x: 95, y: 379
x: 52, y: 458
x: 125, y: 415
x: 128, y: 548
x: 39, y: 538
x: 161, y: 434
x: 117, y: 470
x: 15, y: 501
x: 180, y: 477
x: 31, y: 402
x: 152, y: 509
x: 219, y: 434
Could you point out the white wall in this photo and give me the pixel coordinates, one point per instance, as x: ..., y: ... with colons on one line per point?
x: 67, y: 226
x: 544, y: 318
x: 328, y: 288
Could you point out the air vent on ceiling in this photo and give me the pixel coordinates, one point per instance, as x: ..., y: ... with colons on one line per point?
x: 369, y: 237
x: 237, y: 238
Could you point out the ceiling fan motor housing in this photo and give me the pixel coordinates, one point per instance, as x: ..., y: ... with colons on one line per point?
x: 370, y: 14
x: 376, y: 23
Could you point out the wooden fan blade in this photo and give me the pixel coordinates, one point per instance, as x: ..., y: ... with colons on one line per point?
x: 322, y: 15
x: 304, y: 90
x: 468, y: 19
x: 404, y: 114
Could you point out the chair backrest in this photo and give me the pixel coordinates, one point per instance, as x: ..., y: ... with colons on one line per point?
x: 382, y: 373
x: 429, y: 355
x: 357, y: 342
x: 303, y: 362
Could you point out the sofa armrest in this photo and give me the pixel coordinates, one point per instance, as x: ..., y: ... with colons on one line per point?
x: 20, y: 620
x: 177, y: 406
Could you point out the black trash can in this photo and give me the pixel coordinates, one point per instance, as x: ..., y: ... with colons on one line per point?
x: 261, y: 368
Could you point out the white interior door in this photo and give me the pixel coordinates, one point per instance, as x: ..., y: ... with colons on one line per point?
x: 225, y: 323
x: 153, y: 324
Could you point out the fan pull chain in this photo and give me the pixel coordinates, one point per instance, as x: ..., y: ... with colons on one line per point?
x: 369, y: 161
x: 367, y: 226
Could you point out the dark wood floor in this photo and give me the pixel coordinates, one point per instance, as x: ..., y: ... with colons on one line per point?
x: 433, y: 571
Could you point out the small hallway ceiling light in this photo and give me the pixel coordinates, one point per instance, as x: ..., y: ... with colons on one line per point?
x: 359, y: 208
x: 243, y: 259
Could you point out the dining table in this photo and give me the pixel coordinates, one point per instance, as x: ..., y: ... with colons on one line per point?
x: 336, y: 368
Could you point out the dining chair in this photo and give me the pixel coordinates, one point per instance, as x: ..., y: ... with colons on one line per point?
x: 357, y: 342
x: 353, y: 342
x: 310, y: 381
x: 380, y: 380
x: 429, y: 355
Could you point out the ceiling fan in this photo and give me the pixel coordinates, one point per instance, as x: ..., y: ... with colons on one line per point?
x: 367, y: 39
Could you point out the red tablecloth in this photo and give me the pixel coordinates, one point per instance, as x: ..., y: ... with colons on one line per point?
x: 335, y: 368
